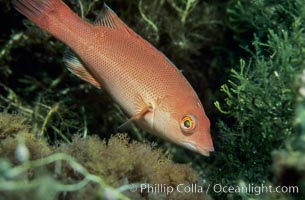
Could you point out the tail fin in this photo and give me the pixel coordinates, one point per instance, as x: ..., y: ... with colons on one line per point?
x: 54, y: 16
x: 37, y: 11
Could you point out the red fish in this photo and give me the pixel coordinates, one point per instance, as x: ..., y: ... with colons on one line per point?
x: 149, y: 88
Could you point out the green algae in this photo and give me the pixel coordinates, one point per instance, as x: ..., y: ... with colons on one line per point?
x: 261, y: 95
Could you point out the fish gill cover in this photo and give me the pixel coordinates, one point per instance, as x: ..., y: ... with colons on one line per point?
x: 245, y: 60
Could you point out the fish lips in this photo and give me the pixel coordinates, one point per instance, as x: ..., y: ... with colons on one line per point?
x: 202, y: 151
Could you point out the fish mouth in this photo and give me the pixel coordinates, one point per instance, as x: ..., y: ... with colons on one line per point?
x: 202, y: 151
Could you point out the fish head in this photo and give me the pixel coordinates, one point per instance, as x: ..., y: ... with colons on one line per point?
x: 184, y: 122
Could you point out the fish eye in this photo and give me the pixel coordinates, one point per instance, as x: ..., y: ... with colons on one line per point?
x: 188, y: 123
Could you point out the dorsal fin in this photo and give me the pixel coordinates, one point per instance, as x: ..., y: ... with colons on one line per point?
x: 107, y: 18
x: 76, y: 67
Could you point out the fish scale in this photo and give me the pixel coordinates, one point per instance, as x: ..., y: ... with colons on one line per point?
x: 109, y: 55
x: 137, y: 72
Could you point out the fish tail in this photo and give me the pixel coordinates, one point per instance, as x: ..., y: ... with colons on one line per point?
x: 42, y: 12
x: 54, y: 16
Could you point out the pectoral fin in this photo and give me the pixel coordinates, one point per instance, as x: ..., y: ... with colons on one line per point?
x: 142, y: 108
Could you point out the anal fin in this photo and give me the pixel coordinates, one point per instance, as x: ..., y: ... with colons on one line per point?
x: 76, y: 67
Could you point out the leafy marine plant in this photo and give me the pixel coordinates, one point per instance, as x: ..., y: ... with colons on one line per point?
x: 261, y: 92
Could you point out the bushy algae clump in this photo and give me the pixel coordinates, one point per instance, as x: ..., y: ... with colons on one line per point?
x: 289, y: 163
x: 261, y: 94
x: 85, y: 168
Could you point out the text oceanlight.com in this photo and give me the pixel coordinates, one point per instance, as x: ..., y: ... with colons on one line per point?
x: 216, y: 188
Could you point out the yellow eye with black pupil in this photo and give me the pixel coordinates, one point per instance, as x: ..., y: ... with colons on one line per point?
x: 188, y: 123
